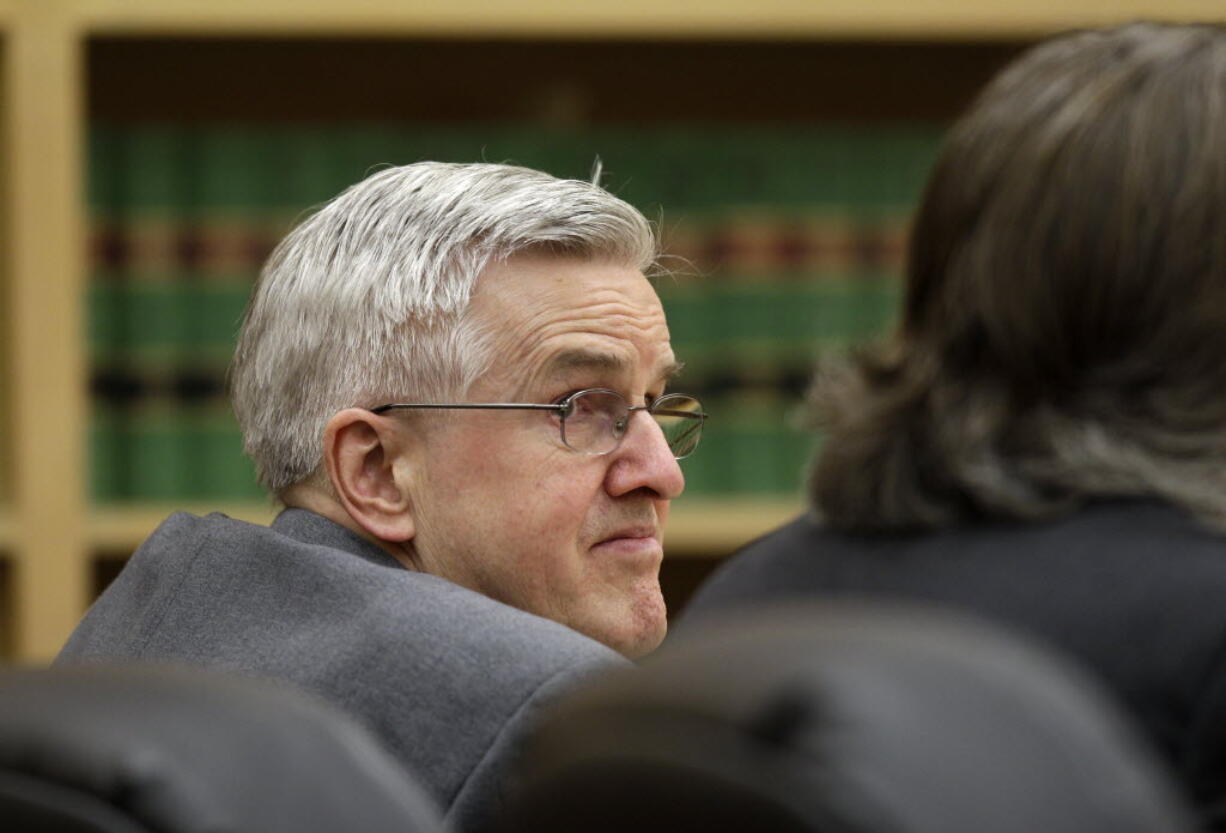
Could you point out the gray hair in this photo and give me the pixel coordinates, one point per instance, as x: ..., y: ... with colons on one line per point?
x: 366, y: 301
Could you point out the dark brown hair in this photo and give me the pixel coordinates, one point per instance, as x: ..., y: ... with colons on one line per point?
x: 1064, y: 326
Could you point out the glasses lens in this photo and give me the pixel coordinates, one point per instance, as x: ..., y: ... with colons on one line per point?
x: 680, y: 418
x: 595, y: 421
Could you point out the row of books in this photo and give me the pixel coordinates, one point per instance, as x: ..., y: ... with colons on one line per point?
x: 755, y: 286
x: 258, y: 171
x: 806, y: 244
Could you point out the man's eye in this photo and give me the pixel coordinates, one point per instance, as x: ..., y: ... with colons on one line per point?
x: 588, y: 404
x: 574, y: 404
x: 594, y: 404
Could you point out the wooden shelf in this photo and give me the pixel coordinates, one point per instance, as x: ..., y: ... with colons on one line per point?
x: 697, y: 528
x: 120, y: 529
x: 764, y: 19
x: 44, y: 266
x: 8, y: 533
x: 703, y: 527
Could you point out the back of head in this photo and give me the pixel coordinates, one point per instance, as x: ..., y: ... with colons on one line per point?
x: 1065, y: 310
x: 843, y: 720
x: 365, y: 302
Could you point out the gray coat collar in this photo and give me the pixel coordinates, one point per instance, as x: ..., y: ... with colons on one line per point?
x: 310, y: 528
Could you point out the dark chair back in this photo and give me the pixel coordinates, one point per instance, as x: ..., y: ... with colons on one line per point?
x: 96, y: 749
x: 844, y: 719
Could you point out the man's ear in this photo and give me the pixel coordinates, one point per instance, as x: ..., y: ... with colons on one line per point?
x: 365, y: 457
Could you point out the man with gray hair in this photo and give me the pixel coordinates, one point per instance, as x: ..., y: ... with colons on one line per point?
x: 453, y: 377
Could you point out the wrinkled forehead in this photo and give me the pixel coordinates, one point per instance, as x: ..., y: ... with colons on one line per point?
x: 565, y: 316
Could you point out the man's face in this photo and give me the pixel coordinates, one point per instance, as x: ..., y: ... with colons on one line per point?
x: 502, y: 507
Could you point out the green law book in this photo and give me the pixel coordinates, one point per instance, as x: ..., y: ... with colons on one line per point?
x: 233, y: 175
x: 217, y: 312
x: 306, y: 170
x: 108, y: 464
x: 105, y: 299
x: 753, y: 463
x: 796, y: 445
x: 157, y: 169
x: 220, y: 469
x: 854, y: 308
x: 712, y: 342
x: 158, y: 462
x: 475, y: 143
x: 348, y: 160
x: 155, y: 322
x: 682, y: 300
x: 106, y: 164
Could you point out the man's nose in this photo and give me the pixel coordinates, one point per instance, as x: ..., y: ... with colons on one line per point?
x: 644, y: 460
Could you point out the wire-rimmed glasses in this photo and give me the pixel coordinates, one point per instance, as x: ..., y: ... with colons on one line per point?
x: 593, y: 421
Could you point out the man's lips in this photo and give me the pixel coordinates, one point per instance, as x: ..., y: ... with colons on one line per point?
x: 641, y: 531
x: 631, y: 540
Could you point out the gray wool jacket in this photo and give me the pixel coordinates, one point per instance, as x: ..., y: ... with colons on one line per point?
x: 449, y: 679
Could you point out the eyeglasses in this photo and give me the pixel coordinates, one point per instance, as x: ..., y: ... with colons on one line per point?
x: 594, y: 421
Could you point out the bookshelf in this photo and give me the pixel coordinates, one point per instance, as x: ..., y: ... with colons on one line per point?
x: 63, y: 60
x: 767, y: 19
x: 44, y: 275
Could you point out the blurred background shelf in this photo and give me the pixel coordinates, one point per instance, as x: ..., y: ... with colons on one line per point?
x: 8, y: 534
x: 118, y: 530
x: 769, y: 19
x: 703, y: 114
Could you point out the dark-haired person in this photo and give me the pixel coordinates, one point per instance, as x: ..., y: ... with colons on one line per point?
x: 1043, y: 440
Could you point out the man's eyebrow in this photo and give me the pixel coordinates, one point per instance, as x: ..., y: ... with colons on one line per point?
x: 584, y: 359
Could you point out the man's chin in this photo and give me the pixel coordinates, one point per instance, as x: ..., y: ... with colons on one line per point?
x: 641, y: 647
x: 643, y: 632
